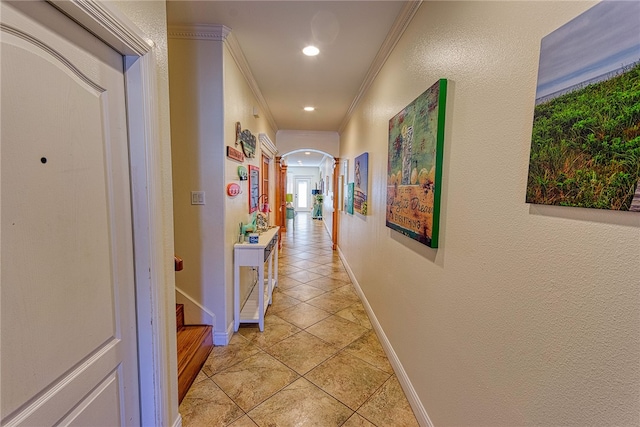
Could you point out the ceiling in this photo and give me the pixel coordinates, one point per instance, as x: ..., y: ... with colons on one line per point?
x: 354, y: 38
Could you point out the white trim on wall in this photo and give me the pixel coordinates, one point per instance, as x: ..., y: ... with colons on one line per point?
x: 194, y: 312
x: 418, y: 409
x: 267, y: 145
x: 222, y: 33
x: 223, y: 338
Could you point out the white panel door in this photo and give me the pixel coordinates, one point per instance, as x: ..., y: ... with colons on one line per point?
x: 303, y: 200
x: 68, y: 336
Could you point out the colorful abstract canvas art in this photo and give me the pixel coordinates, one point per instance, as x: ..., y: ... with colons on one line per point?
x: 361, y: 181
x: 414, y: 178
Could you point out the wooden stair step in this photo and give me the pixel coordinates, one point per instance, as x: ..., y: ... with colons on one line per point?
x: 194, y: 345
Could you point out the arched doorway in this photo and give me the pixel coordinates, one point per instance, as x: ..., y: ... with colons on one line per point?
x: 303, y: 175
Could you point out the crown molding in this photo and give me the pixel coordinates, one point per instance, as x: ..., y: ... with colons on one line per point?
x: 245, y: 69
x: 108, y: 24
x: 393, y: 36
x: 214, y: 32
x: 267, y: 144
x: 222, y: 33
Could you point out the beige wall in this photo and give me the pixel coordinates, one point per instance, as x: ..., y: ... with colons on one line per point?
x: 197, y: 134
x: 525, y: 315
x: 292, y: 140
x: 238, y: 107
x: 209, y: 94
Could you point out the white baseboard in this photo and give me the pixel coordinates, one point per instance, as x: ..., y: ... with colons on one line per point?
x: 194, y: 313
x: 223, y: 338
x: 417, y: 406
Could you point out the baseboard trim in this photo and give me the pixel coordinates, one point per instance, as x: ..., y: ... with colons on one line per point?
x: 194, y: 313
x: 417, y: 406
x: 223, y: 338
x: 178, y: 421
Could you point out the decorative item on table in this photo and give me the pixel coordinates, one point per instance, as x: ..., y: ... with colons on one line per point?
x: 249, y: 227
x: 263, y: 212
x: 254, y: 238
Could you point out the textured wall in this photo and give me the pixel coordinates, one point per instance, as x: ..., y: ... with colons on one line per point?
x: 209, y: 95
x: 197, y: 141
x: 238, y: 107
x: 525, y: 315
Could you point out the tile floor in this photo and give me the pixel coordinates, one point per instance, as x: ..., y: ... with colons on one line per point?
x: 318, y: 361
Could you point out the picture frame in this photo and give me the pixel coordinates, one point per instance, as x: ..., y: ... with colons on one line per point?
x: 345, y: 180
x: 350, y: 191
x: 361, y: 181
x: 254, y: 188
x: 414, y: 175
x: 585, y: 142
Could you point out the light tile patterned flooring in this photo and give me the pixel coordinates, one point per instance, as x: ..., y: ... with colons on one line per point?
x: 318, y: 362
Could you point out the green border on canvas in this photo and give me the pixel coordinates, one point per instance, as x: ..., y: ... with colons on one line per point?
x: 442, y: 106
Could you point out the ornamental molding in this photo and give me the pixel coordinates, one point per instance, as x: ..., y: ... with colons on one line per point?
x: 213, y: 32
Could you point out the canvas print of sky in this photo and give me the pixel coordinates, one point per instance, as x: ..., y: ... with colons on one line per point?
x: 585, y: 145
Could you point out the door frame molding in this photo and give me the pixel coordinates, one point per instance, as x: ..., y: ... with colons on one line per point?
x: 156, y: 349
x: 295, y: 190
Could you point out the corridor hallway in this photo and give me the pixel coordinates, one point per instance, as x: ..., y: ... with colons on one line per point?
x: 318, y: 362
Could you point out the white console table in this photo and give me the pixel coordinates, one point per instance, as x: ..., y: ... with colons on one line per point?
x: 254, y: 307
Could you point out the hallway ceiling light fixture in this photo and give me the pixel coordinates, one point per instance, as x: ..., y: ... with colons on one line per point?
x: 311, y: 51
x: 309, y: 108
x: 308, y: 153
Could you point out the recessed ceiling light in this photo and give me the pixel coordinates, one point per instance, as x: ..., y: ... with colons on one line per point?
x: 309, y: 108
x: 311, y: 51
x: 307, y: 153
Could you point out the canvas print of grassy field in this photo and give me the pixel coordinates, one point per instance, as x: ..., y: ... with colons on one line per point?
x: 585, y: 147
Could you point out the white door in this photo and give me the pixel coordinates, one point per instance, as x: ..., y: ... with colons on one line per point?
x: 68, y: 336
x: 303, y: 201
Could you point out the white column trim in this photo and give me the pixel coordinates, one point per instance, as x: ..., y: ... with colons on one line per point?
x: 199, y: 32
x: 221, y: 33
x: 267, y: 145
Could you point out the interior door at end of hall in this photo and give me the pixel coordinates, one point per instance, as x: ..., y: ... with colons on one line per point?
x: 303, y: 200
x: 67, y: 322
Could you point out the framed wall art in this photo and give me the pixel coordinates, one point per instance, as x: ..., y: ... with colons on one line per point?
x: 350, y: 188
x: 414, y: 178
x: 585, y: 144
x: 345, y: 180
x: 361, y: 181
x: 254, y: 188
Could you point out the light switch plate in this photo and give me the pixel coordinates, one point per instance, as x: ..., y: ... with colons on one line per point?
x: 197, y: 198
